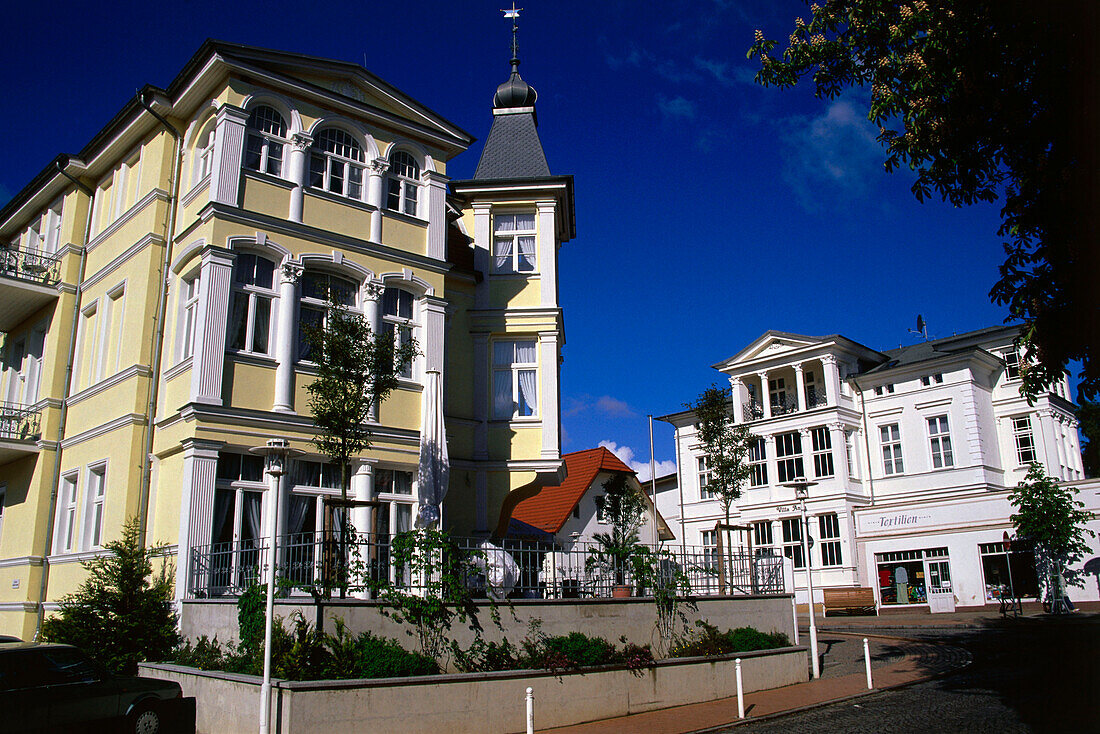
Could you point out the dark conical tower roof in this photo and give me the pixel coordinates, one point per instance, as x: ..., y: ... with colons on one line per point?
x: 513, y: 148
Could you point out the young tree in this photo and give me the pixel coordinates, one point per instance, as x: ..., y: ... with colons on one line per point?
x: 122, y: 614
x: 356, y: 370
x: 1049, y: 519
x: 725, y: 448
x: 983, y: 100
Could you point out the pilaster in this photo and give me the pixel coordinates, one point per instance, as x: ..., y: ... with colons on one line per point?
x: 547, y: 254
x: 225, y: 173
x: 436, y: 204
x: 210, y: 324
x: 548, y: 408
x: 200, y: 464
x: 482, y: 249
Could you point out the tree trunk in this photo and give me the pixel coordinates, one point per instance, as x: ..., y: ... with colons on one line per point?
x: 729, y: 549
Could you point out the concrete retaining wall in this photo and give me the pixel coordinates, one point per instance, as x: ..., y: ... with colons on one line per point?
x: 475, y: 702
x: 607, y: 618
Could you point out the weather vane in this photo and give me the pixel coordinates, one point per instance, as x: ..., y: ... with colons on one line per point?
x: 513, y: 13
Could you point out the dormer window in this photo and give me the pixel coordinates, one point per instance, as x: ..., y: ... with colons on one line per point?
x: 337, y: 164
x: 266, y: 140
x: 514, y: 243
x: 404, y: 182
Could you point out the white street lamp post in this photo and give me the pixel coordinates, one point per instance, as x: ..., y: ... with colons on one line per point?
x: 801, y: 489
x: 276, y: 454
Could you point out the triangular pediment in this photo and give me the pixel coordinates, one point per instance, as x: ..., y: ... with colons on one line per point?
x: 770, y: 344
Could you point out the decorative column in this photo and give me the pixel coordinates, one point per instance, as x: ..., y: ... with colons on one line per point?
x: 225, y: 171
x: 298, y: 165
x: 772, y: 463
x: 200, y: 464
x: 839, y: 440
x: 548, y: 401
x: 547, y: 254
x: 765, y: 395
x: 832, y: 379
x: 800, y: 386
x: 375, y: 175
x: 216, y: 274
x: 436, y: 213
x: 483, y: 241
x: 372, y: 294
x: 738, y: 407
x: 807, y: 453
x: 286, y: 336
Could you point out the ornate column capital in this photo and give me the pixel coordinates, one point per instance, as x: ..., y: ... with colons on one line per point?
x: 373, y: 290
x: 301, y: 141
x: 736, y: 381
x: 797, y: 368
x: 379, y: 166
x: 293, y: 272
x: 804, y: 432
x: 769, y: 439
x: 829, y: 359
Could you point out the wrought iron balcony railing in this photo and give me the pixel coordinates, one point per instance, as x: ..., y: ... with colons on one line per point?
x: 35, y: 267
x: 18, y: 422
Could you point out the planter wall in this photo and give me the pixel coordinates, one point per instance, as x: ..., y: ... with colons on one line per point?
x: 475, y: 702
x: 607, y: 618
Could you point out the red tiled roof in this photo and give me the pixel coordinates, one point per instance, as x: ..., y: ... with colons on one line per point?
x: 549, y: 509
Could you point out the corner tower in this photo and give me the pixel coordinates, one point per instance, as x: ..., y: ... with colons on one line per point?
x: 518, y: 214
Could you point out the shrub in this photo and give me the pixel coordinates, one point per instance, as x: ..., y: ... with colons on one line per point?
x: 707, y: 640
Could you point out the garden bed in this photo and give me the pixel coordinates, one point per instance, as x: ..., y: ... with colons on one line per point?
x: 477, y: 702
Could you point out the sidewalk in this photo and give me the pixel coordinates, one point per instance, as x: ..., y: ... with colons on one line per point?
x: 895, y: 662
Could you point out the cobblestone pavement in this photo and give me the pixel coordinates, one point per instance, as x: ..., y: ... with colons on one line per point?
x: 1026, y: 676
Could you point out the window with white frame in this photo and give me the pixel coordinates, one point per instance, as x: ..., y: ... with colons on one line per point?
x: 822, y: 443
x: 95, y: 494
x: 703, y: 467
x: 3, y: 500
x: 203, y: 163
x: 829, y: 529
x: 265, y: 142
x: 43, y: 234
x: 777, y: 392
x: 792, y: 542
x: 23, y: 366
x: 189, y: 310
x: 237, y: 522
x: 929, y: 380
x: 788, y: 456
x: 758, y: 463
x: 887, y: 389
x: 336, y: 163
x: 65, y: 529
x: 1025, y: 440
x: 1012, y: 364
x: 250, y: 307
x: 514, y: 242
x: 309, y: 473
x: 403, y: 183
x: 939, y: 436
x: 117, y: 192
x: 515, y: 379
x: 88, y: 339
x: 394, y: 489
x: 709, y: 541
x: 762, y: 539
x: 850, y: 453
x: 319, y: 290
x: 890, y: 438
x: 601, y: 510
x: 398, y: 313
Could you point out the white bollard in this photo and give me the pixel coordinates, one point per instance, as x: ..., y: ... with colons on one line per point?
x: 740, y: 690
x: 794, y: 616
x: 530, y: 710
x: 867, y: 663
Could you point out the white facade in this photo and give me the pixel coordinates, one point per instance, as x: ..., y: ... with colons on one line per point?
x: 913, y: 452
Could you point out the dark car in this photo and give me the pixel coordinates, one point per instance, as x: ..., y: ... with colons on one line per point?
x: 58, y: 688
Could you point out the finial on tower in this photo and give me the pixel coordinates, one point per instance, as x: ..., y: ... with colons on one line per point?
x: 513, y: 13
x: 515, y: 92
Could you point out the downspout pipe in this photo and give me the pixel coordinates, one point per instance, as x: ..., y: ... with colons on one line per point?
x: 162, y: 307
x: 56, y: 476
x: 866, y: 439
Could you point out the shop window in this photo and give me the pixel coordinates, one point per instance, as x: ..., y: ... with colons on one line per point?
x: 792, y: 542
x: 788, y: 454
x: 823, y: 452
x: 758, y: 463
x: 704, y: 478
x: 903, y: 575
x: 995, y: 567
x: 829, y: 534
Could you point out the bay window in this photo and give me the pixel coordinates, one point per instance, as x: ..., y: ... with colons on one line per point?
x: 1025, y: 441
x: 515, y: 383
x: 514, y: 243
x: 823, y: 452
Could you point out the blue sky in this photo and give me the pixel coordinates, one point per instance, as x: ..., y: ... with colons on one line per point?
x: 709, y: 209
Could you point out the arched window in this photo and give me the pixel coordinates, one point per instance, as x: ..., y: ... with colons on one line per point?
x: 398, y: 315
x: 319, y: 290
x: 266, y: 138
x: 250, y: 309
x: 204, y: 153
x: 404, y: 182
x: 337, y: 164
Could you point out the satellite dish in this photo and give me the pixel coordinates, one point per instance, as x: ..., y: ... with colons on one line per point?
x: 922, y: 328
x: 920, y: 324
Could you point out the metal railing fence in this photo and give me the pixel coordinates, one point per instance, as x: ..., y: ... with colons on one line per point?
x: 37, y: 267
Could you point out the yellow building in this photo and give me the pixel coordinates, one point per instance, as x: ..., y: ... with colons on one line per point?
x: 152, y: 286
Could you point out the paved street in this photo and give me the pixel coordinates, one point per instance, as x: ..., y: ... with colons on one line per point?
x: 1034, y: 675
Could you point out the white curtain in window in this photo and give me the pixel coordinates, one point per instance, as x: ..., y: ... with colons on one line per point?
x: 525, y: 352
x: 527, y: 390
x: 502, y: 394
x: 525, y: 221
x: 526, y: 253
x: 299, y: 509
x: 504, y: 254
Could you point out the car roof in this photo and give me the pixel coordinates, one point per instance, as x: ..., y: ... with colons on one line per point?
x: 20, y: 645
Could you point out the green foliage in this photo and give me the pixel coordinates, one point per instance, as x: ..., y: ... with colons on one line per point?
x: 122, y: 614
x: 1052, y: 521
x: 725, y: 444
x: 982, y: 100
x: 671, y: 596
x: 432, y: 591
x: 620, y: 550
x: 575, y: 651
x: 707, y: 640
x: 251, y: 617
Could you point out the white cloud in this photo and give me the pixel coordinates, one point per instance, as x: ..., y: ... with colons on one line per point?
x: 726, y: 73
x: 676, y: 107
x: 641, y: 468
x: 614, y: 407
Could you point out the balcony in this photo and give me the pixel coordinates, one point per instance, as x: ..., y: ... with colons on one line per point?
x: 19, y: 431
x: 28, y: 282
x: 787, y: 404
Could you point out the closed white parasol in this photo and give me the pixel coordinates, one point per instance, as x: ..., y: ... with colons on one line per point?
x: 434, y: 471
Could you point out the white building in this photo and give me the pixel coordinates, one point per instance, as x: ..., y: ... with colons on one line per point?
x: 913, y: 452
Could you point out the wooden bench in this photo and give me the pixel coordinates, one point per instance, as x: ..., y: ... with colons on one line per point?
x: 850, y: 599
